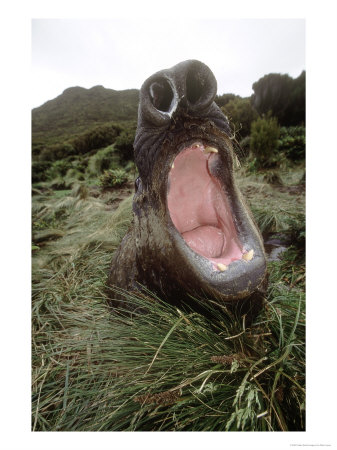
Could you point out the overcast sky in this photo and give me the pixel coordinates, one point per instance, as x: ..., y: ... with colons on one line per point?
x: 121, y: 54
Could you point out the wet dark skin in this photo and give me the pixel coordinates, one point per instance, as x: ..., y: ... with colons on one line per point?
x: 177, y: 110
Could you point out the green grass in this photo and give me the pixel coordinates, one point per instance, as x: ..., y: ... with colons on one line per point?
x: 275, y: 208
x: 168, y: 369
x: 96, y: 369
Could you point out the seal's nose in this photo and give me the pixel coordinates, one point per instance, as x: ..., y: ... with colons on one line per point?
x: 189, y: 87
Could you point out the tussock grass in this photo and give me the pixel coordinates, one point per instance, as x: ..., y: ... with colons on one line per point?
x: 163, y: 368
x: 275, y: 210
x: 278, y: 219
x: 80, y: 222
x: 166, y: 369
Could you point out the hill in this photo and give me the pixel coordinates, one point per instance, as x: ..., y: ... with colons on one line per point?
x: 78, y: 109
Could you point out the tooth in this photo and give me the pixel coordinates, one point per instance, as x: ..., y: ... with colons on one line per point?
x: 172, y: 165
x: 210, y: 150
x: 248, y: 256
x: 222, y: 267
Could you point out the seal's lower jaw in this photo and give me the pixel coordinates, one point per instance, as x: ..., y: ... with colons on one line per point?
x: 201, y: 211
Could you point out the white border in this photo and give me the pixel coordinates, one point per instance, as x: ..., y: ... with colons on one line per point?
x: 321, y: 226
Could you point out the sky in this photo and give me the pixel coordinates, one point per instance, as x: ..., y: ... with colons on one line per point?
x: 121, y: 53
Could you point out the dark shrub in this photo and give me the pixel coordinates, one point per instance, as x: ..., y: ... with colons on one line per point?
x: 222, y: 100
x: 113, y: 178
x: 241, y: 115
x: 264, y: 141
x: 97, y: 138
x: 124, y: 144
x: 283, y: 96
x: 56, y: 151
x: 292, y: 142
x: 39, y: 170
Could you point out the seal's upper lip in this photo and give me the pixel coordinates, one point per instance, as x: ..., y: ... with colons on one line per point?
x: 200, y: 209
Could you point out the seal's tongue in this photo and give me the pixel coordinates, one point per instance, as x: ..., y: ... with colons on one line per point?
x: 199, y: 207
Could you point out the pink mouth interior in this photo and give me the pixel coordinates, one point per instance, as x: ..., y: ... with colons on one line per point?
x: 199, y: 207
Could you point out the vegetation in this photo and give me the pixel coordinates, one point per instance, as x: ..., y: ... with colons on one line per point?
x: 102, y: 160
x: 124, y: 143
x: 97, y: 138
x: 241, y: 114
x: 283, y: 96
x: 270, y: 146
x: 76, y: 166
x: 113, y: 178
x: 292, y: 142
x: 263, y: 142
x: 222, y: 100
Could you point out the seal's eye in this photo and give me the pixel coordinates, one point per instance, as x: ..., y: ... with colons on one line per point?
x: 138, y: 184
x: 161, y: 95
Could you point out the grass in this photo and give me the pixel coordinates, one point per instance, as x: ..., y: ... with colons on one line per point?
x: 275, y: 208
x: 96, y: 369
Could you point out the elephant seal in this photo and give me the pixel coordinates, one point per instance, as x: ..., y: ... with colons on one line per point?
x: 192, y: 234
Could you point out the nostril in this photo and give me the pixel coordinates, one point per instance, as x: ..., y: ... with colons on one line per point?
x: 161, y: 95
x: 200, y: 86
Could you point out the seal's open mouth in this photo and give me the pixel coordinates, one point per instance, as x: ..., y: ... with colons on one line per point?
x: 199, y: 207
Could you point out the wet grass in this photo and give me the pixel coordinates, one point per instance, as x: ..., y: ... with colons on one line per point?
x: 168, y: 369
x: 276, y: 209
